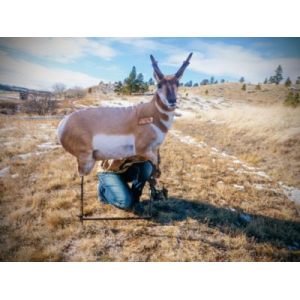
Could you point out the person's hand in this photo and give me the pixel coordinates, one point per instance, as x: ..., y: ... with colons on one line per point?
x: 156, y: 173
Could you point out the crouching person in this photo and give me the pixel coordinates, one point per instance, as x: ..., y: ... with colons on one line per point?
x: 115, y: 176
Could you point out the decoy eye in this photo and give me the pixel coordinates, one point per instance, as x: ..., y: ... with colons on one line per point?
x: 159, y: 85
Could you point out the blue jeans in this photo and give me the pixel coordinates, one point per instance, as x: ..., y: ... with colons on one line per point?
x: 114, y: 189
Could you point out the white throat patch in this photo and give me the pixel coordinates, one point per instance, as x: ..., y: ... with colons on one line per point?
x: 165, y: 112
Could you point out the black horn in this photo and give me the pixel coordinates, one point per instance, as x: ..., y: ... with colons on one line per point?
x: 183, y: 67
x: 156, y: 68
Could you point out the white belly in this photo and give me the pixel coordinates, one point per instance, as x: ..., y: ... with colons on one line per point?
x: 114, y: 146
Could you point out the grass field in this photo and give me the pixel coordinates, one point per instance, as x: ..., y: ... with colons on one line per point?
x: 229, y: 169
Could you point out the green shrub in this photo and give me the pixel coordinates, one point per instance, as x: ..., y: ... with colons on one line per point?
x: 206, y: 92
x: 258, y: 87
x: 292, y: 99
x: 244, y: 87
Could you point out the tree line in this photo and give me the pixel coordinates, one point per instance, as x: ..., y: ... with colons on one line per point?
x: 275, y: 79
x: 135, y: 83
x: 278, y: 77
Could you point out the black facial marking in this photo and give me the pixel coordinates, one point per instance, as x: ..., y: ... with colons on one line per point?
x: 171, y: 95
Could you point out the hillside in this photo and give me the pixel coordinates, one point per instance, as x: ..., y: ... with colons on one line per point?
x: 18, y: 89
x: 230, y: 162
x: 269, y: 94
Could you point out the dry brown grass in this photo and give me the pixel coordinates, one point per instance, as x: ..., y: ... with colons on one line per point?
x: 276, y: 124
x: 267, y: 137
x: 202, y: 221
x: 89, y: 100
x: 9, y: 94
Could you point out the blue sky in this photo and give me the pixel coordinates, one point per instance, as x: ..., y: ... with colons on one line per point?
x: 41, y: 62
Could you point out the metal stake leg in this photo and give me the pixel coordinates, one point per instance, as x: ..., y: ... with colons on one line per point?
x: 81, y: 208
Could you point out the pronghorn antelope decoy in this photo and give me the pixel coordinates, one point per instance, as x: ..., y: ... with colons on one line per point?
x: 100, y: 133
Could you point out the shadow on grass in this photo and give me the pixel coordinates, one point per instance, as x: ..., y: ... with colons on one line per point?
x: 280, y: 233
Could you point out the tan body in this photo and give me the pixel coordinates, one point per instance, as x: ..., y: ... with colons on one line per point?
x: 85, y: 133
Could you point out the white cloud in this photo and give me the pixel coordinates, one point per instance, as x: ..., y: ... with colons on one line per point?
x: 145, y: 45
x: 220, y: 59
x: 26, y: 74
x: 63, y: 50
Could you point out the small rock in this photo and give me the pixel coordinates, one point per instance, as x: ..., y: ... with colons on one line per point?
x: 4, y: 172
x: 8, y: 144
x: 239, y: 187
x: 236, y: 161
x: 23, y: 156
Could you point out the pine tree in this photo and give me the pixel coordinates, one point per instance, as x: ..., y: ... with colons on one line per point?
x: 272, y: 79
x: 140, y: 84
x: 298, y: 80
x: 212, y: 80
x: 242, y: 79
x: 278, y: 74
x: 118, y: 87
x: 222, y: 80
x: 140, y: 78
x: 189, y: 84
x: 266, y: 81
x: 196, y: 84
x: 288, y: 82
x: 204, y: 82
x: 151, y: 81
x: 130, y: 84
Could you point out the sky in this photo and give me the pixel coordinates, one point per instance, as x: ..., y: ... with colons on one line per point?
x: 39, y: 63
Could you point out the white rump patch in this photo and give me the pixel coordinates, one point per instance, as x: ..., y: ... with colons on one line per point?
x: 114, y: 146
x: 61, y: 127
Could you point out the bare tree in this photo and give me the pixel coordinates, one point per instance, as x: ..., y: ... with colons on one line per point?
x: 78, y: 92
x: 58, y: 89
x: 40, y: 105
